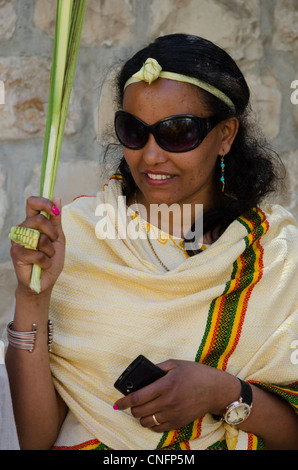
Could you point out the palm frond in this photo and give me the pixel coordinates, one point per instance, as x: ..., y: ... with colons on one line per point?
x: 69, y: 22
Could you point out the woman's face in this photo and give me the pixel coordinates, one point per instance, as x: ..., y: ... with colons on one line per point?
x: 189, y: 175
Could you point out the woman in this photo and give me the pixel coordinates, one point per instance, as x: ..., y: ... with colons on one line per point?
x: 218, y: 314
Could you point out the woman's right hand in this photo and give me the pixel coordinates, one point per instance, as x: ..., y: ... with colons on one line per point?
x: 51, y: 246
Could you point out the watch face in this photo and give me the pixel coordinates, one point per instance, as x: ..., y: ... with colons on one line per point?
x: 237, y: 413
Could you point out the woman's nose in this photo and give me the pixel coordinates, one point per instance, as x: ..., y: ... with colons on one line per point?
x: 153, y: 154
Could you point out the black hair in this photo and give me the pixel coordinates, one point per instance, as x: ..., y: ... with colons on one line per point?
x: 252, y: 168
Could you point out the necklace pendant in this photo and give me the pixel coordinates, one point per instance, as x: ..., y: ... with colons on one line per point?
x: 147, y: 235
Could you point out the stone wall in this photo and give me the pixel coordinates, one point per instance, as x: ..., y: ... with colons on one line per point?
x: 261, y: 35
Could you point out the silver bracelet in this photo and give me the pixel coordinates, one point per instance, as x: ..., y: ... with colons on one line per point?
x: 26, y: 339
x: 50, y: 335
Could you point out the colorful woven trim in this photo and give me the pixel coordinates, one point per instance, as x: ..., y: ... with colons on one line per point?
x: 254, y: 443
x: 225, y: 318
x: 89, y: 445
x: 227, y: 312
x: 288, y: 393
x: 178, y: 439
x: 116, y: 176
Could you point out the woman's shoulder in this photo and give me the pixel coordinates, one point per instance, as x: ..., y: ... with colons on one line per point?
x: 279, y: 216
x: 79, y: 212
x: 282, y: 225
x: 80, y: 203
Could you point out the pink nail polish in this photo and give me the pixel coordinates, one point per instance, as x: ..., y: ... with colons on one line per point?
x: 115, y: 407
x: 55, y: 210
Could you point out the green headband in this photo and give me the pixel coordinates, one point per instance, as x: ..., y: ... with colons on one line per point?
x: 151, y: 71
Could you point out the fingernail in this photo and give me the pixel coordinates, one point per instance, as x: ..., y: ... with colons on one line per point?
x: 55, y: 210
x: 115, y: 407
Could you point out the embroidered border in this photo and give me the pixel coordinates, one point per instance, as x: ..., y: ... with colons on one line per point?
x: 94, y: 444
x: 287, y: 392
x: 226, y: 315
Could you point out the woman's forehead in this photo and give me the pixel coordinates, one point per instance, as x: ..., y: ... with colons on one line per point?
x: 165, y: 98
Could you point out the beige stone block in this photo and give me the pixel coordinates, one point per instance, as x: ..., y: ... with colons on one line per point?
x: 23, y: 115
x: 7, y: 290
x: 106, y: 22
x: 234, y: 25
x: 78, y: 178
x: 3, y: 199
x: 295, y: 115
x: 8, y: 18
x: 105, y: 110
x: 285, y: 32
x: 74, y: 178
x: 266, y: 99
x: 289, y: 197
x: 294, y: 100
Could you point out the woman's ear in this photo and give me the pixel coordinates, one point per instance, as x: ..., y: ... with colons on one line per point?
x: 229, y: 129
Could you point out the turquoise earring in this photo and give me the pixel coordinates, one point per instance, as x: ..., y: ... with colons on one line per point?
x: 222, y: 179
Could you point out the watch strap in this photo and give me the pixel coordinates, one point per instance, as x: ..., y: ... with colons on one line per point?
x: 246, y: 392
x: 245, y: 397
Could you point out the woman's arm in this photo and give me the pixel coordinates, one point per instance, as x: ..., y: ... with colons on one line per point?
x: 39, y: 411
x: 272, y: 419
x: 190, y: 390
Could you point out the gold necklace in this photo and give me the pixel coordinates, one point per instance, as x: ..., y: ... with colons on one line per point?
x: 147, y: 236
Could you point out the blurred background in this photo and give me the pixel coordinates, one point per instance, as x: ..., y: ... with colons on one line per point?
x: 262, y: 36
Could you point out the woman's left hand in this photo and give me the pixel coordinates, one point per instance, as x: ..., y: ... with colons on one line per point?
x: 188, y: 391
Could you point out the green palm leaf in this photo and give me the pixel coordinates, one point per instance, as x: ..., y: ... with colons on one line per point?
x: 69, y: 22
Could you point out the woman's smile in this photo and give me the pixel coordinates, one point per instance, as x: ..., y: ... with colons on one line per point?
x: 158, y: 178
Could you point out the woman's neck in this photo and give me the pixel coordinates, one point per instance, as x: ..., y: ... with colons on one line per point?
x: 176, y: 220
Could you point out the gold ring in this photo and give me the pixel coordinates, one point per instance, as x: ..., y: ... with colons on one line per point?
x: 155, y: 421
x: 27, y: 237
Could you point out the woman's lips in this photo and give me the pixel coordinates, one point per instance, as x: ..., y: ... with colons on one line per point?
x: 158, y: 178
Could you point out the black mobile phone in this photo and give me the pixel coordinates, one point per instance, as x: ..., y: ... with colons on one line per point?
x: 138, y: 374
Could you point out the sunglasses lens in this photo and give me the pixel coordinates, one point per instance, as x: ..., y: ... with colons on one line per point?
x: 131, y: 132
x: 179, y: 134
x: 174, y: 134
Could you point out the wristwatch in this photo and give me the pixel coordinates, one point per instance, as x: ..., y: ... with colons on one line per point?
x: 239, y: 411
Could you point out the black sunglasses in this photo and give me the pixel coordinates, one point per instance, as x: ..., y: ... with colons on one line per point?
x: 180, y: 133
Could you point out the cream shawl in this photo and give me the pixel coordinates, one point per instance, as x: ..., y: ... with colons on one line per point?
x: 233, y: 306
